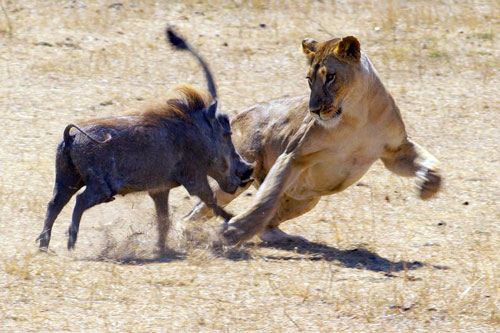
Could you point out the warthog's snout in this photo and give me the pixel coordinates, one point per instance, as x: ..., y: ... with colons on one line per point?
x: 244, y: 172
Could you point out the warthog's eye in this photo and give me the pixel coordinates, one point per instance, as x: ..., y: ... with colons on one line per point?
x: 330, y: 78
x: 309, y: 80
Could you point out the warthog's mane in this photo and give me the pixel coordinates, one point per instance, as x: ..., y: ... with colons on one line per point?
x: 187, y: 100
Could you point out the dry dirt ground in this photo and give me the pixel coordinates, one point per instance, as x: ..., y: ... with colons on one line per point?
x: 380, y: 259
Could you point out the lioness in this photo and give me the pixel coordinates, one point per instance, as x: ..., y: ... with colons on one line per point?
x: 305, y: 148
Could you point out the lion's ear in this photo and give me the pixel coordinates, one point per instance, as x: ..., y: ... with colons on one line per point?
x: 349, y: 49
x: 309, y: 47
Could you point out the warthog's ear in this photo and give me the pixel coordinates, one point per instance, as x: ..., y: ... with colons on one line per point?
x: 211, y: 110
x: 349, y: 49
x: 223, y: 120
x: 211, y: 114
x: 309, y: 46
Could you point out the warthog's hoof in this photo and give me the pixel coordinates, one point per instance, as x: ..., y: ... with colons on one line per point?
x: 71, y: 239
x: 44, y: 239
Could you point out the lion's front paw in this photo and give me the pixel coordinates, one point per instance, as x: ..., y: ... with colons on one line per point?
x: 429, y: 183
x: 241, y: 228
x: 232, y: 234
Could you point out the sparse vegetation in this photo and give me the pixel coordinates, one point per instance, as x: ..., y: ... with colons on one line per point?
x: 381, y: 260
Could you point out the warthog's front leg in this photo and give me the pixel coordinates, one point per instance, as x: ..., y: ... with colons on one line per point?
x: 201, y: 210
x: 162, y: 221
x: 411, y: 160
x: 202, y: 190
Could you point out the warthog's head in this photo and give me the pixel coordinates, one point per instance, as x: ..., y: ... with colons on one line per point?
x: 227, y: 167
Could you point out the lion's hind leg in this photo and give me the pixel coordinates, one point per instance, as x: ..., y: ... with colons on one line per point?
x: 411, y: 160
x: 288, y: 209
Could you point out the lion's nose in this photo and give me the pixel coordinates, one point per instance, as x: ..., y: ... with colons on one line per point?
x: 247, y: 174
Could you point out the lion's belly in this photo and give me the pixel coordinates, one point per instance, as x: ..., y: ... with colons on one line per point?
x: 330, y: 177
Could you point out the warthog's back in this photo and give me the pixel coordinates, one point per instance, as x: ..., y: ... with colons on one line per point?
x: 138, y: 157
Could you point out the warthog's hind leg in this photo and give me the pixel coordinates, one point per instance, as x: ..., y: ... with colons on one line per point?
x: 62, y: 194
x: 94, y: 194
x: 67, y: 183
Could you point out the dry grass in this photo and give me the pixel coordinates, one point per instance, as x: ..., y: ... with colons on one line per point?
x: 381, y: 260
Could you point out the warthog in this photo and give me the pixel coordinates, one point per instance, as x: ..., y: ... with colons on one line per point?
x: 177, y: 144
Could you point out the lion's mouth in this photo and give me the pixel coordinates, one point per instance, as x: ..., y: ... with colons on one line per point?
x: 334, y: 115
x: 337, y: 113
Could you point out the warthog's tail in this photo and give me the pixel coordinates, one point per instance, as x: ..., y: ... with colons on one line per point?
x: 181, y: 44
x: 70, y: 126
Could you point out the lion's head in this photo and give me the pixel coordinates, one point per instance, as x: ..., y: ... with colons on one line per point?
x: 333, y: 72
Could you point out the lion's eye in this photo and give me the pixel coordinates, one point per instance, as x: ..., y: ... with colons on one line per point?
x: 330, y: 78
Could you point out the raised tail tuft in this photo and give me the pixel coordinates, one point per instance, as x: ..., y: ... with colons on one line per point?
x: 175, y: 40
x: 181, y: 44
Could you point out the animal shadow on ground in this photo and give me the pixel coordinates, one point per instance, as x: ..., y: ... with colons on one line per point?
x: 136, y: 251
x: 359, y: 258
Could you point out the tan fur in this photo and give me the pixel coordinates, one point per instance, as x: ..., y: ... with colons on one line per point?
x: 301, y: 156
